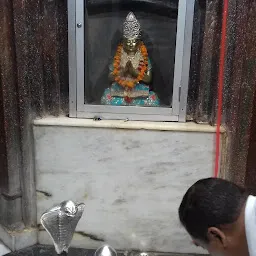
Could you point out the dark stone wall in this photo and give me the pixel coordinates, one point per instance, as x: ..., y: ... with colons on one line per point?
x: 250, y: 176
x: 240, y: 85
x: 11, y: 162
x: 33, y: 83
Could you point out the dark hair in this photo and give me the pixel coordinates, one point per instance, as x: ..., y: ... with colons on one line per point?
x: 210, y: 203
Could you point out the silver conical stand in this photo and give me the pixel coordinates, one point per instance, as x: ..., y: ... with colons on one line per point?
x: 105, y: 250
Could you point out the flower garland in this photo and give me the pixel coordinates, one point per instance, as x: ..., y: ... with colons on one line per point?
x: 142, y: 67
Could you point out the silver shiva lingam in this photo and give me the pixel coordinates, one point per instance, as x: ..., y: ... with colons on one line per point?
x: 60, y: 223
x: 105, y: 250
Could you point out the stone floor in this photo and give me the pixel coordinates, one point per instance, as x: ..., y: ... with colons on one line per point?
x: 3, y: 249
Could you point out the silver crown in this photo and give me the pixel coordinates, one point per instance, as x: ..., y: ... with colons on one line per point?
x: 131, y: 27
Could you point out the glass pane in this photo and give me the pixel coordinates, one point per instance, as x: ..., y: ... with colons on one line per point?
x: 123, y: 67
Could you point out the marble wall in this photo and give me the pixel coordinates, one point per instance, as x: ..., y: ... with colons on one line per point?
x: 131, y: 181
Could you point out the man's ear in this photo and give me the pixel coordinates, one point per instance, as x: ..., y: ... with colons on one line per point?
x: 216, y: 236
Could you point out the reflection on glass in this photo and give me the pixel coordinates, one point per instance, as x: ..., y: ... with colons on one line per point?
x: 130, y: 71
x: 114, y: 36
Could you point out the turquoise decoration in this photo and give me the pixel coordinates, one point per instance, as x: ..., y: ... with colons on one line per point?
x: 151, y: 100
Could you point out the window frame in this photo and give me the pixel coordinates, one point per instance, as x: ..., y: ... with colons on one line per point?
x: 77, y: 106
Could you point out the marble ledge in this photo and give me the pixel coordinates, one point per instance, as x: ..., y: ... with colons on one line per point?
x: 130, y: 125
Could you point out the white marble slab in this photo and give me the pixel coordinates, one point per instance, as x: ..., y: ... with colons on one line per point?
x: 3, y: 249
x: 123, y: 124
x: 18, y: 240
x: 131, y: 181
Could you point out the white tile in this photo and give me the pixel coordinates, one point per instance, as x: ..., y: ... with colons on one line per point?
x: 3, y: 249
x: 131, y: 182
x: 19, y: 240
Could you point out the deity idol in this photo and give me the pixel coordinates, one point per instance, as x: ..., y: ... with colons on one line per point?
x: 131, y: 71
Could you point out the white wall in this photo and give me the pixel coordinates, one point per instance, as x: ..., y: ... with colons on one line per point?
x: 131, y: 181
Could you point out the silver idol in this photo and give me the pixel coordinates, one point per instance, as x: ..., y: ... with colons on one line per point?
x: 60, y: 222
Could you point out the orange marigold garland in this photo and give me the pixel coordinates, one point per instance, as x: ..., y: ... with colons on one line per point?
x: 142, y: 67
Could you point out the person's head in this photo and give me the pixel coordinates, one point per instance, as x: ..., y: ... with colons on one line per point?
x: 212, y: 212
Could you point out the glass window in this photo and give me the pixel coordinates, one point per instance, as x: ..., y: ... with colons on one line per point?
x: 126, y: 61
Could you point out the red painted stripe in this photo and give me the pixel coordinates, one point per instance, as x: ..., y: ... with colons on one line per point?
x: 220, y: 83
